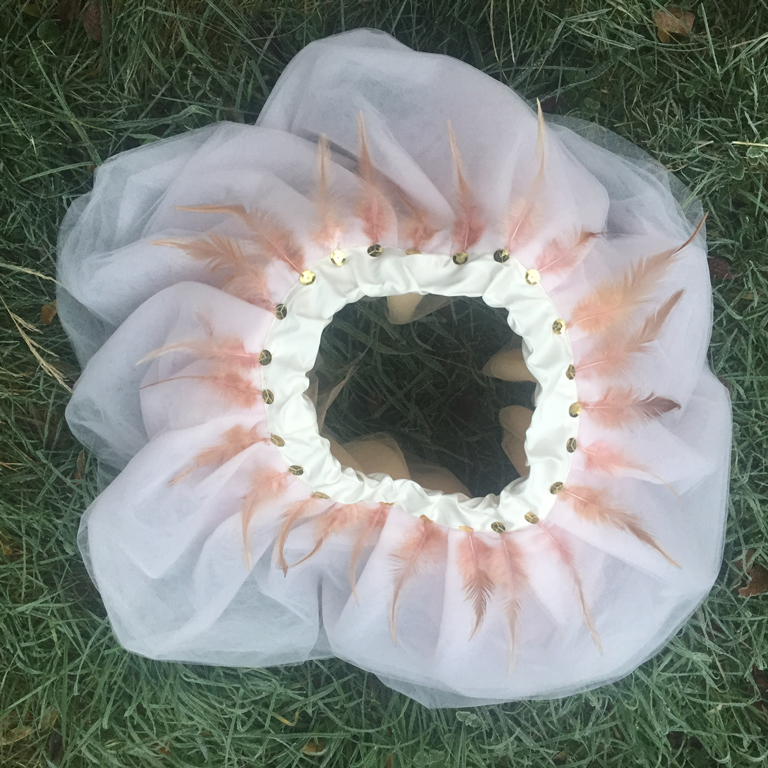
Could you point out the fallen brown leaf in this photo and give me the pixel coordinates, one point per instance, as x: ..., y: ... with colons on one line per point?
x: 15, y: 734
x: 758, y: 581
x: 719, y: 269
x: 49, y: 719
x: 673, y: 21
x: 81, y: 457
x: 92, y: 22
x: 314, y: 747
x: 48, y: 312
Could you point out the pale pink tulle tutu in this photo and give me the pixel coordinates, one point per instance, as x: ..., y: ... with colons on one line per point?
x: 237, y: 533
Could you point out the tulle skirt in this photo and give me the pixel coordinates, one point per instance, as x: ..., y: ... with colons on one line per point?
x: 196, y: 279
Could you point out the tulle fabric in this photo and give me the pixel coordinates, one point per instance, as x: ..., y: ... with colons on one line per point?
x: 168, y: 556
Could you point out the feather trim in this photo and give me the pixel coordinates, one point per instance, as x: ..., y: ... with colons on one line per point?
x: 291, y: 516
x: 509, y: 573
x: 621, y: 407
x: 566, y: 556
x: 226, y: 256
x: 272, y: 237
x: 565, y: 252
x: 417, y: 229
x: 372, y: 206
x: 613, y: 301
x: 525, y: 213
x: 233, y: 442
x: 340, y: 516
x: 473, y: 557
x: 594, y: 506
x: 468, y: 226
x: 373, y: 522
x: 266, y: 484
x: 607, y: 459
x: 425, y: 542
x: 228, y: 383
x: 330, y: 227
x: 228, y: 349
x: 612, y: 355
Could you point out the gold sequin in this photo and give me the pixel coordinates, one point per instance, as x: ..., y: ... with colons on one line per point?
x: 498, y: 527
x: 571, y: 445
x: 501, y: 255
x: 321, y: 495
x: 412, y: 252
x: 570, y: 372
x: 574, y: 409
x: 339, y: 258
x: 558, y: 326
x: 375, y: 250
x: 531, y: 517
x: 281, y: 311
x: 265, y: 357
x: 532, y: 277
x: 268, y: 396
x: 295, y: 469
x: 307, y: 277
x: 466, y: 528
x: 555, y: 488
x: 277, y: 440
x: 424, y: 518
x: 460, y: 257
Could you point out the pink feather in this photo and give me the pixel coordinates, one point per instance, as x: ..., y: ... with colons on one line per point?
x: 613, y: 301
x: 621, y: 407
x: 373, y: 522
x: 372, y: 206
x: 473, y: 557
x: 330, y: 227
x: 612, y: 355
x: 509, y: 573
x: 468, y: 226
x: 565, y: 252
x: 266, y: 485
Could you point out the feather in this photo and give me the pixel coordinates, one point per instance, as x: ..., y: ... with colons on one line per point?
x: 266, y: 484
x: 566, y: 556
x: 372, y: 523
x: 613, y: 301
x: 221, y: 252
x: 473, y: 557
x: 372, y: 206
x: 468, y: 225
x: 612, y: 355
x: 291, y: 516
x: 525, y: 213
x: 607, y: 459
x: 424, y: 543
x: 566, y: 252
x: 272, y: 237
x: 232, y: 442
x: 339, y: 517
x: 229, y: 349
x: 508, y: 571
x: 594, y: 506
x: 330, y: 226
x: 225, y: 255
x: 620, y: 407
x: 417, y: 229
x: 230, y: 385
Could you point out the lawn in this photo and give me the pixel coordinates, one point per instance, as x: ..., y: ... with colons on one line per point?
x: 77, y: 86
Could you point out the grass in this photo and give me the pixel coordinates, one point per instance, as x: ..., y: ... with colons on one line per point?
x: 69, y: 696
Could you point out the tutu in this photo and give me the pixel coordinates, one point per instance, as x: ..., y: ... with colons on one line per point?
x: 196, y: 280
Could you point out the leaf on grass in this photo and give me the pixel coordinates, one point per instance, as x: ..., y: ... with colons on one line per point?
x: 32, y: 9
x: 14, y: 735
x: 80, y: 470
x: 293, y: 722
x: 315, y: 747
x: 92, y: 22
x: 55, y: 747
x: 719, y: 269
x: 758, y: 581
x: 48, y: 312
x: 49, y: 719
x: 673, y: 21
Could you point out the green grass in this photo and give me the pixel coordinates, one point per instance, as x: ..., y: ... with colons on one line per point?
x: 69, y: 695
